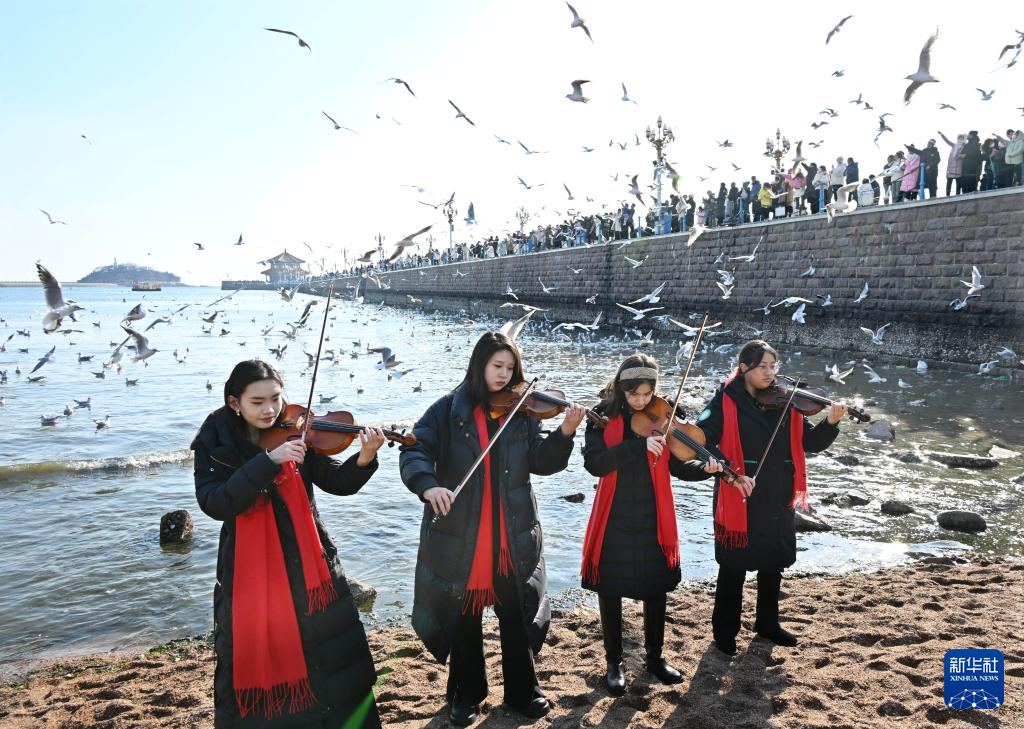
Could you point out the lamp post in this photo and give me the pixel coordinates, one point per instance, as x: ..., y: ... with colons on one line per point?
x: 450, y: 212
x: 659, y: 137
x: 777, y: 149
x: 380, y: 247
x: 523, y: 217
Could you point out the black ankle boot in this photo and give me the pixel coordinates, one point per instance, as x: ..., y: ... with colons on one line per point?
x: 777, y: 635
x: 463, y: 714
x: 665, y: 673
x: 726, y: 645
x: 616, y: 678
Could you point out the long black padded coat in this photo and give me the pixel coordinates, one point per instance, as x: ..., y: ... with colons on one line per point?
x: 632, y: 562
x: 770, y: 527
x: 447, y: 444
x: 229, y: 475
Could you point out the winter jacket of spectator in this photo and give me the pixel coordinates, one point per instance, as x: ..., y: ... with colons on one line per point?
x: 865, y: 194
x: 765, y: 196
x: 1015, y: 150
x: 894, y: 172
x: 852, y: 173
x: 910, y: 173
x: 931, y: 157
x: 755, y: 189
x: 971, y: 158
x: 838, y: 175
x: 955, y: 163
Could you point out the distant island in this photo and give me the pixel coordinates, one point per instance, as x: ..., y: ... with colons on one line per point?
x: 124, y: 274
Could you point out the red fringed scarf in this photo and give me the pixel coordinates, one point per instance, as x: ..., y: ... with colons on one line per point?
x: 668, y: 536
x: 480, y: 588
x: 268, y: 660
x: 731, y: 511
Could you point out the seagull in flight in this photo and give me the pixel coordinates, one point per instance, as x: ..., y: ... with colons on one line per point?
x: 975, y: 284
x: 724, y: 143
x: 923, y: 74
x: 47, y: 358
x: 142, y: 348
x: 635, y: 263
x: 577, y: 92
x: 199, y: 246
x: 302, y: 43
x: 546, y: 289
x: 625, y: 94
x: 986, y: 95
x: 337, y: 126
x: 654, y: 297
x: 836, y: 376
x: 836, y: 29
x: 459, y: 114
x: 527, y: 149
x: 400, y: 81
x: 638, y: 314
x: 577, y: 325
x: 59, y: 308
x: 862, y: 295
x: 872, y: 375
x: 529, y: 187
x: 749, y: 257
x: 51, y: 219
x: 877, y: 334
x: 578, y: 22
x: 946, y: 106
x: 790, y: 300
x: 407, y: 242
x: 798, y: 315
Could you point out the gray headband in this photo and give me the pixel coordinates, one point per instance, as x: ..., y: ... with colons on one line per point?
x: 638, y: 373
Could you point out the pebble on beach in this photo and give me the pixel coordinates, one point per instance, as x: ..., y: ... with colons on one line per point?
x: 176, y: 527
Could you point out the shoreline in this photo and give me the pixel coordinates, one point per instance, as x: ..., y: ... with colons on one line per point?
x: 871, y: 654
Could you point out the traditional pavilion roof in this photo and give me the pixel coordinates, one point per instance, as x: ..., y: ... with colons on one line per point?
x: 284, y: 257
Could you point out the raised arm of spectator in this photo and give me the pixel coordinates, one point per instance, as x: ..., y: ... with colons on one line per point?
x: 946, y: 139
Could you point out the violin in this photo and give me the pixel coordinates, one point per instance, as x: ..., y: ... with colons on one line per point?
x: 541, y: 404
x: 327, y: 434
x: 806, y: 400
x: 686, y: 442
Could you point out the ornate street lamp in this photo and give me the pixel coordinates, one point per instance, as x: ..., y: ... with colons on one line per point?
x: 660, y: 138
x: 523, y: 218
x: 450, y: 212
x: 777, y: 149
x: 380, y: 246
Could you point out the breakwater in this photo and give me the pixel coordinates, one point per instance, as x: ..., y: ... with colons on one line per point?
x: 912, y: 256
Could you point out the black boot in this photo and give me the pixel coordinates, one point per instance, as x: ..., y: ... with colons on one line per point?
x: 462, y: 713
x: 767, y: 622
x: 725, y: 619
x: 611, y: 628
x: 654, y: 640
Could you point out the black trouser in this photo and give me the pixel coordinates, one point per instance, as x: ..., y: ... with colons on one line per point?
x: 611, y: 626
x: 949, y: 185
x: 930, y: 184
x: 467, y: 673
x: 725, y: 619
x: 968, y: 183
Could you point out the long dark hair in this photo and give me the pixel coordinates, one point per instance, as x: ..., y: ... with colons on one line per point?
x: 486, y: 347
x: 754, y: 351
x: 613, y: 394
x: 244, y: 374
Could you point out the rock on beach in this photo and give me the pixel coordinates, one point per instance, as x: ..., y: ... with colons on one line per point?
x: 176, y: 527
x: 881, y: 430
x: 962, y: 521
x: 963, y: 460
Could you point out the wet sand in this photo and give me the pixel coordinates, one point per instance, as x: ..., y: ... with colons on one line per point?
x: 870, y: 655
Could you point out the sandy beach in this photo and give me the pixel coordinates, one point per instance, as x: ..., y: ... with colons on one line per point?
x: 870, y: 655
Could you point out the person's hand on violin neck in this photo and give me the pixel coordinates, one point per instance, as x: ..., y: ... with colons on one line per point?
x: 836, y: 413
x: 574, y: 415
x: 290, y: 450
x: 370, y: 441
x: 656, y: 444
x: 713, y: 466
x: 441, y: 499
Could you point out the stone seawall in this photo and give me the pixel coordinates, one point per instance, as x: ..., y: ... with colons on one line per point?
x: 913, y: 257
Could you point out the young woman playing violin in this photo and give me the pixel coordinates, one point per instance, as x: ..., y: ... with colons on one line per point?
x: 631, y: 548
x: 483, y: 547
x: 754, y: 527
x: 290, y: 649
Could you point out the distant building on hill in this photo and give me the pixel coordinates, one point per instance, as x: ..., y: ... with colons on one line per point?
x: 284, y: 267
x: 125, y: 274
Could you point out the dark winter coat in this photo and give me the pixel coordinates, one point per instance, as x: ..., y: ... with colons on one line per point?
x: 447, y: 444
x: 930, y: 157
x: 632, y: 562
x: 852, y: 173
x: 770, y: 527
x: 229, y: 475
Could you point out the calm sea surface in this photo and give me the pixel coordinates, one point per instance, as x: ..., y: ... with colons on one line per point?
x: 82, y: 569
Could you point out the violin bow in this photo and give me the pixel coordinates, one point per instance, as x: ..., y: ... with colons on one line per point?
x: 316, y: 365
x: 682, y: 382
x: 775, y: 432
x: 490, y: 444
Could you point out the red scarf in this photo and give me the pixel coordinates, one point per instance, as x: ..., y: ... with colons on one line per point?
x: 480, y: 587
x: 668, y: 536
x: 731, y: 511
x: 268, y: 660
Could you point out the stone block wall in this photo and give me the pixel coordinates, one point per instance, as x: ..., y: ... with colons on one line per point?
x: 912, y: 256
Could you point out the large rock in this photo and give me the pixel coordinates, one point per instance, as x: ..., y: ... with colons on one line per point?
x: 176, y: 527
x: 857, y: 498
x: 362, y: 593
x: 963, y: 460
x: 881, y: 430
x: 806, y: 522
x: 896, y: 508
x: 962, y: 521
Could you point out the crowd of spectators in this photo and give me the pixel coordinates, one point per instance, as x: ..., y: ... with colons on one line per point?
x: 972, y: 165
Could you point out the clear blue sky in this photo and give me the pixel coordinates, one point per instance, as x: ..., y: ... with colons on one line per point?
x: 204, y: 126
